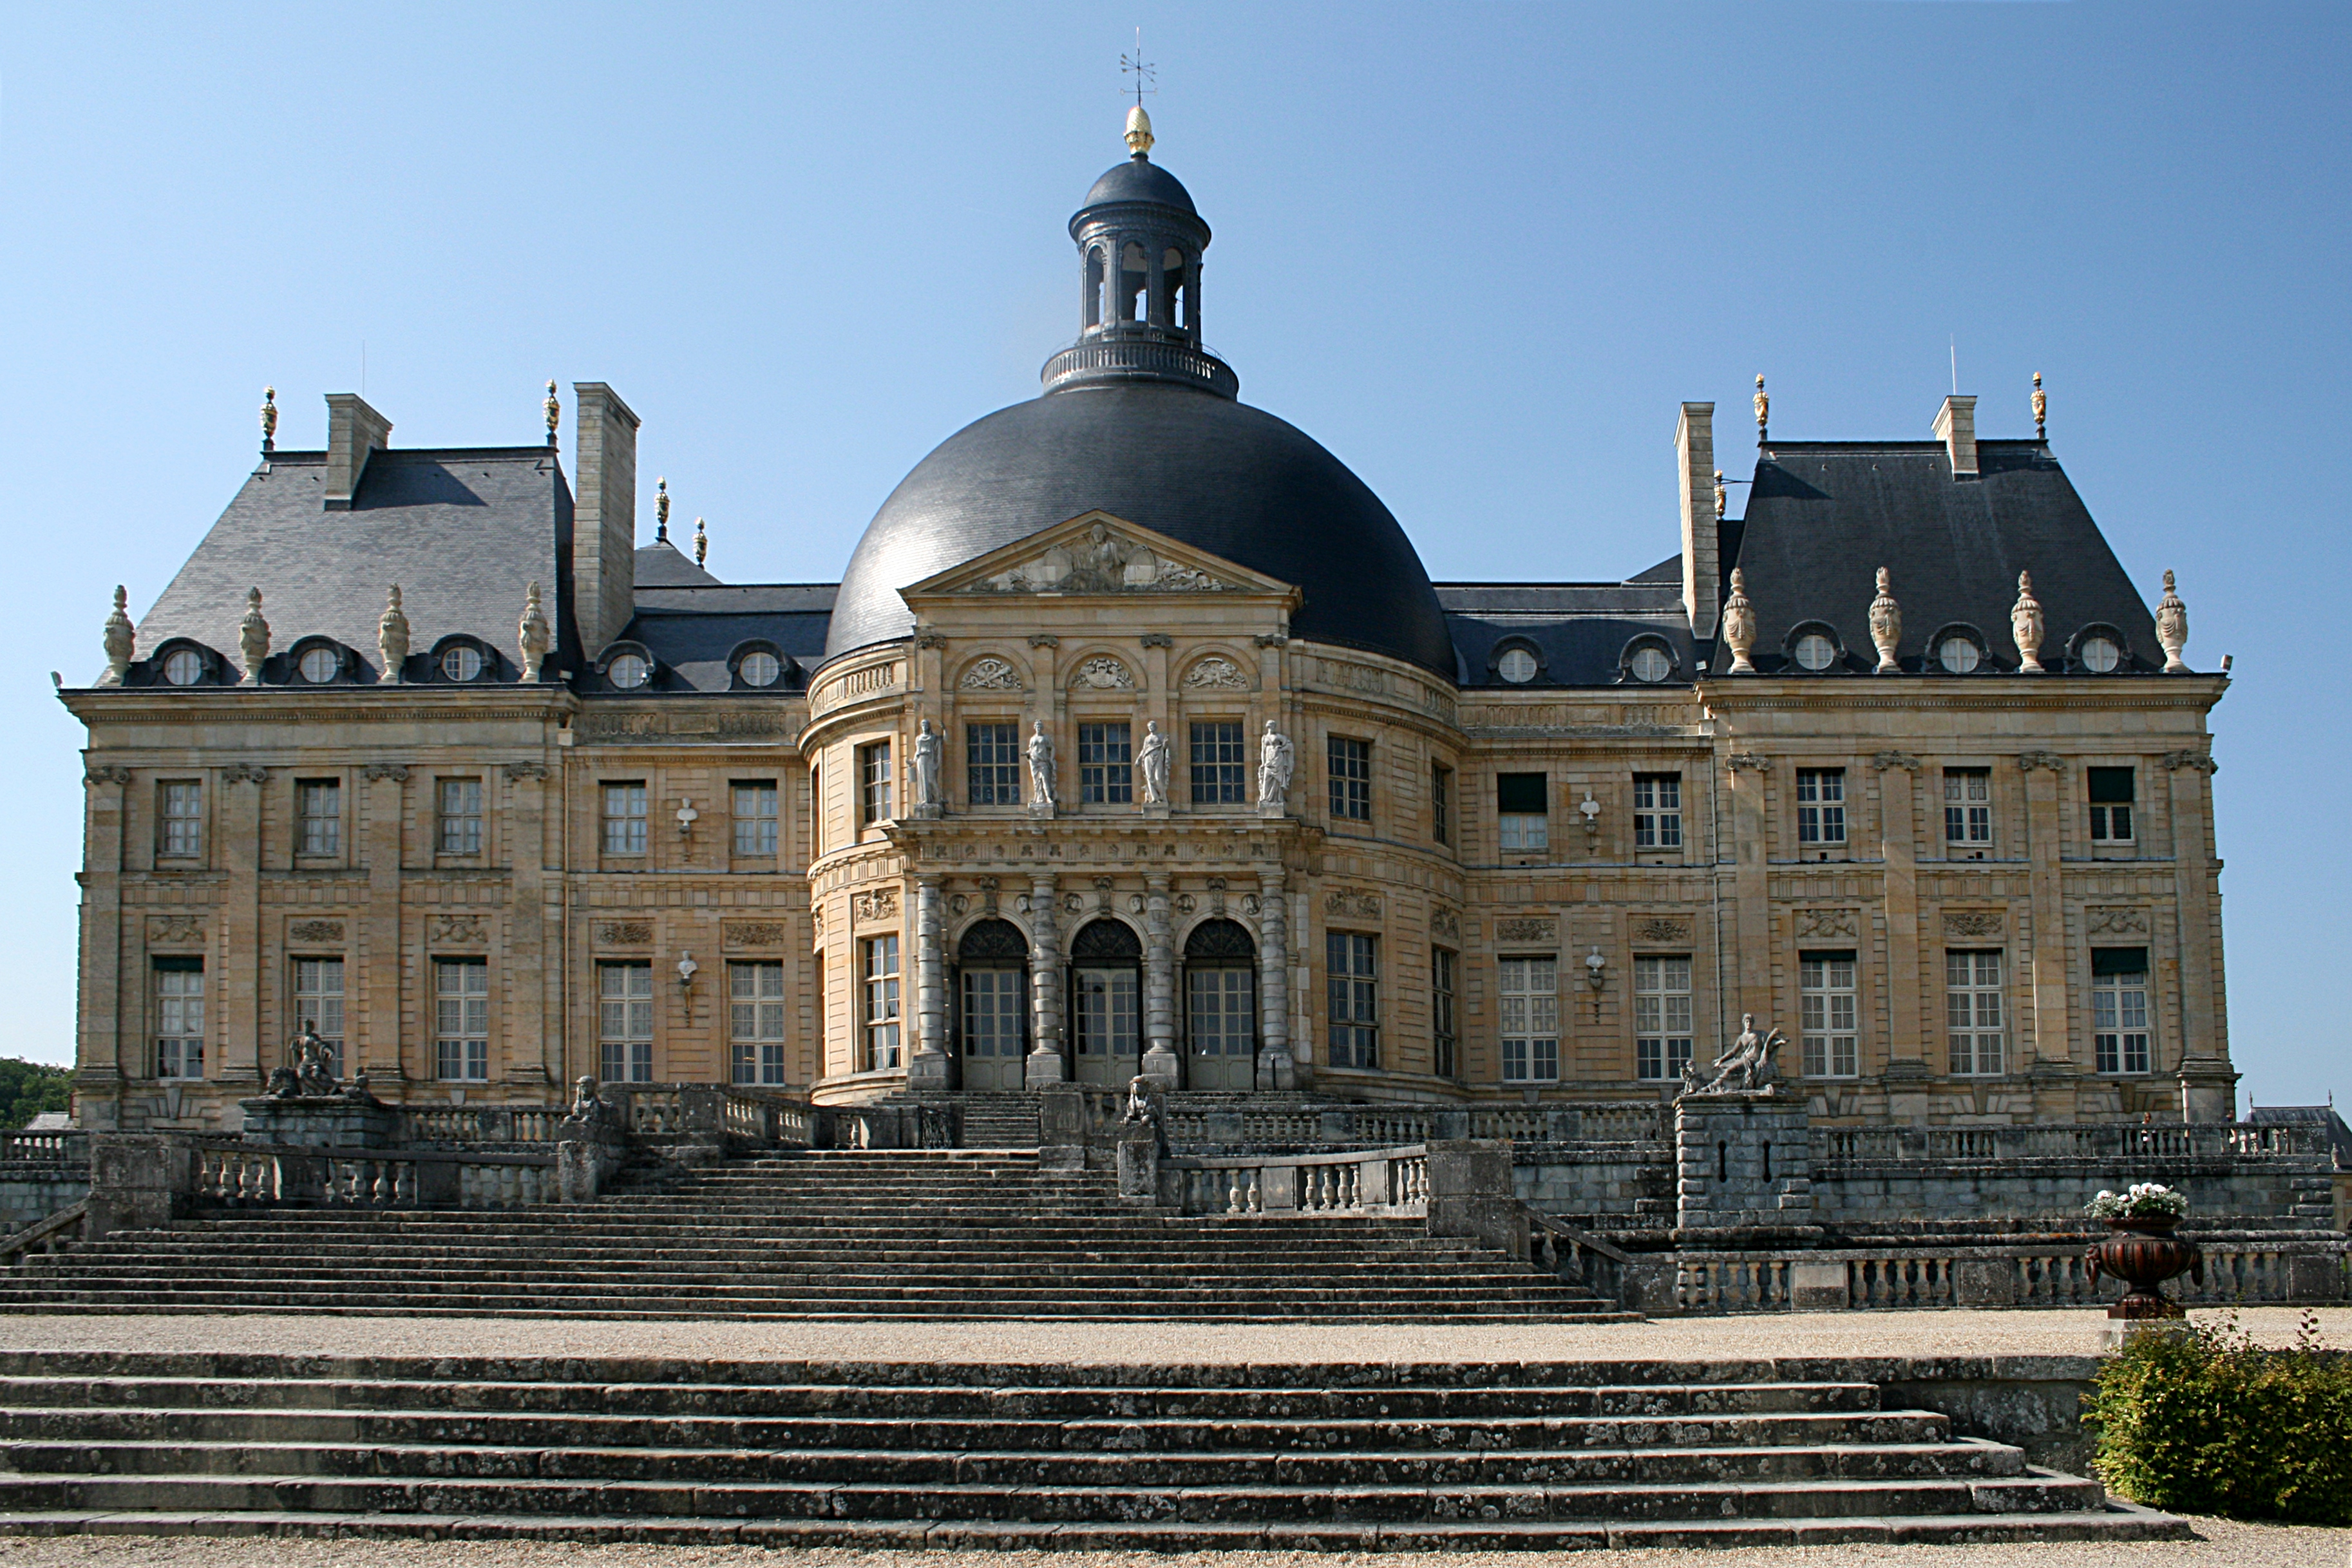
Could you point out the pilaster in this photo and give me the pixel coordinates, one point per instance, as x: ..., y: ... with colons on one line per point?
x: 929, y: 1066
x: 1045, y: 1064
x: 1898, y: 830
x: 2052, y: 1037
x: 386, y: 962
x: 240, y: 989
x: 2208, y: 1082
x: 1277, y: 1068
x: 104, y: 1057
x: 1159, y: 982
x: 533, y: 1055
x: 1750, y: 887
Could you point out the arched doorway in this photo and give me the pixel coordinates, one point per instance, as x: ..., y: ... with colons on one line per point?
x: 1106, y: 1002
x: 993, y: 1004
x: 1221, y: 1007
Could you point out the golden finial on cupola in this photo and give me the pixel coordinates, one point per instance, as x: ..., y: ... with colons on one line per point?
x: 661, y: 511
x: 701, y: 543
x: 1722, y: 495
x: 1763, y: 411
x: 269, y: 419
x: 2041, y: 410
x: 554, y: 414
x: 1139, y: 131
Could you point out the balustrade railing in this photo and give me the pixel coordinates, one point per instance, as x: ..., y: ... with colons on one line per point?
x: 482, y: 1124
x: 2099, y: 1139
x: 65, y: 1147
x: 1576, y: 1255
x: 1386, y: 1126
x: 231, y: 1175
x: 55, y: 1234
x: 1374, y: 1181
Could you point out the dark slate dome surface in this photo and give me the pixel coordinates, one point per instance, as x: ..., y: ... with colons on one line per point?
x: 1139, y: 180
x: 1214, y: 473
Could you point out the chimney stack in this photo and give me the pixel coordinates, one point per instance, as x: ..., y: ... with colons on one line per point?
x: 603, y: 517
x: 354, y: 433
x: 1956, y: 427
x: 1702, y: 535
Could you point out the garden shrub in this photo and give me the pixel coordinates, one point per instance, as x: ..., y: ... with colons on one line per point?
x: 2207, y: 1421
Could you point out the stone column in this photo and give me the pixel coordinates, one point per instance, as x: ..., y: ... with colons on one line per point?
x: 929, y: 1068
x: 383, y: 963
x: 101, y: 1058
x: 2209, y: 1087
x: 1277, y: 1068
x: 1045, y: 1064
x: 244, y: 960
x: 1159, y: 983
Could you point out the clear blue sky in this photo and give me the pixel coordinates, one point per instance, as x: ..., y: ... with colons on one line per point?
x: 1480, y: 252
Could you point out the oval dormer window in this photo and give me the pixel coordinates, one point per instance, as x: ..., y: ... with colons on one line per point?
x: 1651, y: 664
x: 1815, y: 651
x: 1517, y: 665
x: 186, y: 667
x: 1958, y: 655
x: 320, y: 666
x: 2099, y: 654
x: 629, y: 672
x: 760, y: 668
x: 462, y: 664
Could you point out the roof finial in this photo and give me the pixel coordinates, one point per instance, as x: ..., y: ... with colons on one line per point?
x: 121, y: 639
x: 2041, y: 410
x: 1763, y: 409
x: 661, y: 511
x: 701, y: 543
x: 554, y: 414
x: 1722, y: 496
x: 1138, y: 124
x: 269, y: 419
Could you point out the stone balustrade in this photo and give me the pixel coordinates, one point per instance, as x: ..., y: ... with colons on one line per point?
x: 232, y: 1174
x: 1377, y: 1181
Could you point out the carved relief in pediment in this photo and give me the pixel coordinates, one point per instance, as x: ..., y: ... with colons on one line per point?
x: 1101, y: 562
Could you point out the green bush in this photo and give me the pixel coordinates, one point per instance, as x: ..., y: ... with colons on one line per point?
x: 2207, y: 1421
x: 29, y: 1088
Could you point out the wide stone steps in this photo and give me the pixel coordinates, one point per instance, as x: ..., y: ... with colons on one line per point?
x: 1341, y: 1456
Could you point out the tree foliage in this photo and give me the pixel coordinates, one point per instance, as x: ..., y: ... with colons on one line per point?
x: 29, y: 1088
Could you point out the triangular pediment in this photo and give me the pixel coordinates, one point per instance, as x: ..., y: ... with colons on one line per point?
x: 1095, y: 553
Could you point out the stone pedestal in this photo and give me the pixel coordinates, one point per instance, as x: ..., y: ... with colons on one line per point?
x: 2209, y: 1090
x: 1138, y: 1165
x: 1470, y: 1193
x: 320, y: 1122
x: 138, y: 1181
x: 1743, y: 1160
x: 1906, y: 1082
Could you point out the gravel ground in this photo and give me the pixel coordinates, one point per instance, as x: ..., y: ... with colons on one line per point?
x: 2073, y: 1332
x: 2223, y: 1545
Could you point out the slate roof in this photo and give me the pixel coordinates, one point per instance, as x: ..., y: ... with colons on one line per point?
x: 693, y: 632
x: 1823, y: 517
x: 662, y: 564
x: 1580, y: 633
x: 2339, y: 1136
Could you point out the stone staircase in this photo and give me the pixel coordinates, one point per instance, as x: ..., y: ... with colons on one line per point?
x: 997, y: 1118
x: 1329, y: 1458
x: 899, y: 1233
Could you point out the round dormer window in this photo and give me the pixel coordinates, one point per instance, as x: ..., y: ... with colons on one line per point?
x: 186, y: 667
x: 1651, y: 664
x: 320, y: 666
x: 1958, y: 655
x: 629, y: 672
x: 462, y: 664
x: 1517, y: 665
x: 760, y: 669
x: 1815, y: 651
x: 2099, y: 654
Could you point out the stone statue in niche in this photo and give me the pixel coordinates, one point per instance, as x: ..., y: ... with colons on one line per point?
x: 1276, y: 759
x: 1042, y: 794
x: 923, y: 766
x: 2025, y: 626
x: 1745, y: 1068
x: 1154, y: 759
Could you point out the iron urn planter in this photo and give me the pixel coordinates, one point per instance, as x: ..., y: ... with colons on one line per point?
x: 2144, y: 1253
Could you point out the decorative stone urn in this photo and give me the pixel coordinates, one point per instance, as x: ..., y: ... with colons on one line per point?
x: 2144, y: 1253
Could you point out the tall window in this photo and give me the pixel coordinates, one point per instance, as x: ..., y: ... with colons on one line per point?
x: 626, y: 1021
x: 1106, y: 764
x: 625, y: 819
x: 1826, y: 1015
x: 755, y: 816
x: 318, y: 816
x: 1216, y: 762
x: 1350, y: 766
x: 180, y: 1018
x: 755, y: 998
x: 1972, y: 1012
x: 2111, y: 805
x: 2119, y: 1009
x: 874, y: 782
x: 1657, y: 811
x: 461, y: 1020
x: 1662, y: 1017
x: 460, y: 811
x: 318, y: 1002
x: 1441, y: 804
x: 994, y: 1004
x: 992, y: 764
x: 1355, y: 999
x: 881, y: 1002
x: 1440, y: 1011
x: 181, y: 814
x: 1968, y: 808
x: 1820, y: 805
x: 1523, y: 812
x: 1530, y: 998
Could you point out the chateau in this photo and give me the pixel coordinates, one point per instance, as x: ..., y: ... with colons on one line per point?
x: 1136, y: 739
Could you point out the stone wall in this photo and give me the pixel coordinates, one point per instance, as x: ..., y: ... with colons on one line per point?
x: 32, y: 1190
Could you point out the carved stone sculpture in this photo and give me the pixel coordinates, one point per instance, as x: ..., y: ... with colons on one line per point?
x: 2025, y: 626
x: 1276, y: 759
x: 1886, y: 624
x: 531, y: 634
x: 1745, y: 1068
x: 1143, y: 1104
x: 1041, y: 795
x: 122, y: 641
x: 253, y: 637
x: 392, y: 636
x: 1739, y: 624
x: 314, y: 1063
x: 2171, y: 628
x: 1154, y: 759
x: 924, y: 767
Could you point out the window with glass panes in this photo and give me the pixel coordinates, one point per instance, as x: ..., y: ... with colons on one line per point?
x: 755, y: 1027
x: 318, y: 816
x: 755, y: 816
x: 1106, y: 764
x: 461, y: 1021
x: 1354, y: 994
x: 1662, y: 1016
x: 1443, y: 1038
x: 1821, y: 805
x: 624, y: 994
x: 1968, y: 808
x: 994, y: 1008
x: 1528, y: 989
x: 881, y: 1002
x: 1825, y: 1015
x: 460, y: 815
x: 1523, y: 812
x: 1972, y: 1012
x: 318, y: 1002
x: 2119, y: 1032
x: 1349, y: 764
x: 624, y: 818
x: 180, y: 1018
x: 874, y: 782
x: 1657, y: 811
x: 991, y: 755
x: 1441, y: 805
x: 2111, y: 805
x: 180, y: 816
x: 1217, y: 762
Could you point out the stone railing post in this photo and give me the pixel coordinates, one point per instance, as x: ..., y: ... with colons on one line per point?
x: 1471, y: 1194
x: 138, y: 1181
x: 1061, y: 1126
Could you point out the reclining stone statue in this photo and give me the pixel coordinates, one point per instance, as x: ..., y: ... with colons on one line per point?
x: 1745, y: 1068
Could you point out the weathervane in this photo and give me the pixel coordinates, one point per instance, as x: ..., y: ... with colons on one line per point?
x: 1145, y: 74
